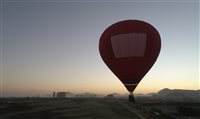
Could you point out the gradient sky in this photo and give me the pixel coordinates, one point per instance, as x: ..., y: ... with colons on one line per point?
x: 53, y: 45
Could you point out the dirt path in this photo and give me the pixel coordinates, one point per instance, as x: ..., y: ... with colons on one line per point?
x: 131, y: 110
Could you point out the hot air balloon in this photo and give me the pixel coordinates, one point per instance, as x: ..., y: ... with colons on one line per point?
x: 130, y: 48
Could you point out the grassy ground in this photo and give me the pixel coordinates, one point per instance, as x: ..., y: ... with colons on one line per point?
x: 74, y: 108
x: 94, y: 108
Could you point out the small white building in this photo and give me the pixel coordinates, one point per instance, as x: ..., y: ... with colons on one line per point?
x: 61, y: 94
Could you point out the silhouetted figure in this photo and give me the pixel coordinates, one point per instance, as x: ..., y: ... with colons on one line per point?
x: 131, y: 97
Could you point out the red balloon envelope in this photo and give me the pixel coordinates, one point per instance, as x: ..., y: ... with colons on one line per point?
x: 130, y: 48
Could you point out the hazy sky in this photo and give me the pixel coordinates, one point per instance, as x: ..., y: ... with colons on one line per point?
x: 53, y: 45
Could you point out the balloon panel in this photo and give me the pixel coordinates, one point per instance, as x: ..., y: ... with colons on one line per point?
x: 129, y: 45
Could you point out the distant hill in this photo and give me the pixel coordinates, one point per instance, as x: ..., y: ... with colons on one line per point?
x: 86, y: 95
x: 179, y: 95
x: 166, y: 95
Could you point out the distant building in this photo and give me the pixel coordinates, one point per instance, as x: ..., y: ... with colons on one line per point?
x: 69, y: 95
x: 61, y: 94
x: 54, y: 94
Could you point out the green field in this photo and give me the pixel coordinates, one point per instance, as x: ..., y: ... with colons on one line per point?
x: 69, y: 108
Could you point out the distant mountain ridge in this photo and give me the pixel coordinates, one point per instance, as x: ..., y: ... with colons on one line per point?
x: 167, y: 95
x: 179, y: 95
x: 171, y: 95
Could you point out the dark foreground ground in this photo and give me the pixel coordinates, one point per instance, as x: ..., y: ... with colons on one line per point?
x: 94, y: 108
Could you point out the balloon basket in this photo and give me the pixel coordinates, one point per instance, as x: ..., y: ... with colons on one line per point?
x: 131, y: 97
